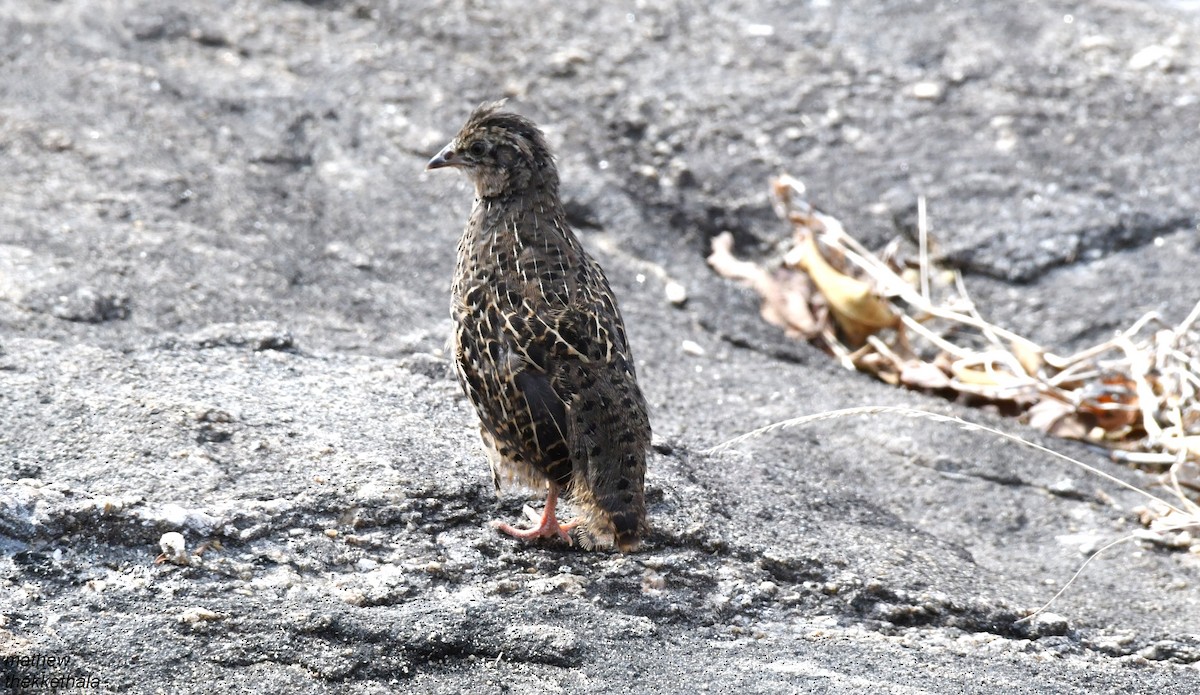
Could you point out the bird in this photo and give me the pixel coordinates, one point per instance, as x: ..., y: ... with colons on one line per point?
x: 540, y: 347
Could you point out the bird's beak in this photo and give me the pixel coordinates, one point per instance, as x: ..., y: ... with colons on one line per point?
x: 446, y: 158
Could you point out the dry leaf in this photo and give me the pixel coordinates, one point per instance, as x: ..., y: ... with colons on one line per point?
x: 792, y: 305
x: 987, y: 374
x: 1052, y: 416
x: 1028, y: 355
x: 1112, y: 401
x: 879, y: 365
x: 924, y: 375
x: 727, y: 265
x: 856, y: 308
x: 785, y: 295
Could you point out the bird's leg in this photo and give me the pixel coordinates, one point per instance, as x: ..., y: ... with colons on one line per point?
x: 547, y: 524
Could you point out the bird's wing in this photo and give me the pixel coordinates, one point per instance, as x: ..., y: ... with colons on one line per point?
x: 560, y: 363
x: 512, y: 368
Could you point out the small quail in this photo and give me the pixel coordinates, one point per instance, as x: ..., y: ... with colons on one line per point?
x: 539, y: 343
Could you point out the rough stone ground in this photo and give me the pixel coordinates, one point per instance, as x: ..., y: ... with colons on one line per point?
x: 223, y: 290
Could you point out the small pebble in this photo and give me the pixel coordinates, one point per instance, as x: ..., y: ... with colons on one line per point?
x: 676, y: 293
x: 194, y: 615
x: 174, y: 548
x: 930, y: 91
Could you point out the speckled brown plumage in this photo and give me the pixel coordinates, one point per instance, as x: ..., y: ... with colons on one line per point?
x: 540, y: 346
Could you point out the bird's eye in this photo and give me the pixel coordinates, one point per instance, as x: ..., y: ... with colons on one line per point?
x: 477, y: 148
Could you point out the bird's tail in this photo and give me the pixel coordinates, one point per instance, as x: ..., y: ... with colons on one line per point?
x: 609, y: 459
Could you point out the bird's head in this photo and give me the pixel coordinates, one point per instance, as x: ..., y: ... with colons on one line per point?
x: 502, y: 153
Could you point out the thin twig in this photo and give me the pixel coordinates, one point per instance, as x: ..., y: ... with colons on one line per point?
x: 973, y: 310
x: 934, y: 338
x: 923, y: 247
x: 935, y: 417
x: 1075, y: 576
x: 1178, y: 490
x: 1146, y: 398
x: 1141, y: 457
x: 1186, y: 324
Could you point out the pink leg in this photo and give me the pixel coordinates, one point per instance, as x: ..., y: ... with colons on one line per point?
x: 547, y: 526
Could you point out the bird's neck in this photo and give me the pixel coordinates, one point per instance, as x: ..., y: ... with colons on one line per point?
x: 519, y: 233
x: 529, y: 215
x: 522, y: 206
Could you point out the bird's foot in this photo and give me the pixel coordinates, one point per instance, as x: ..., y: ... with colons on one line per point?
x: 545, y: 526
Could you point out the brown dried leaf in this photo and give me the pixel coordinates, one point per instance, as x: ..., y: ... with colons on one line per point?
x: 983, y: 372
x: 1053, y: 416
x: 792, y: 306
x: 785, y: 295
x: 1112, y: 401
x: 923, y: 375
x: 871, y: 362
x: 727, y: 265
x: 856, y: 308
x: 1028, y: 355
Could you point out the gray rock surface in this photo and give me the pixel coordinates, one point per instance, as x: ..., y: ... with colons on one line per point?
x: 223, y: 310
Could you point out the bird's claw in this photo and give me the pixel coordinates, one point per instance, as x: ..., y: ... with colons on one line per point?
x: 544, y: 527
